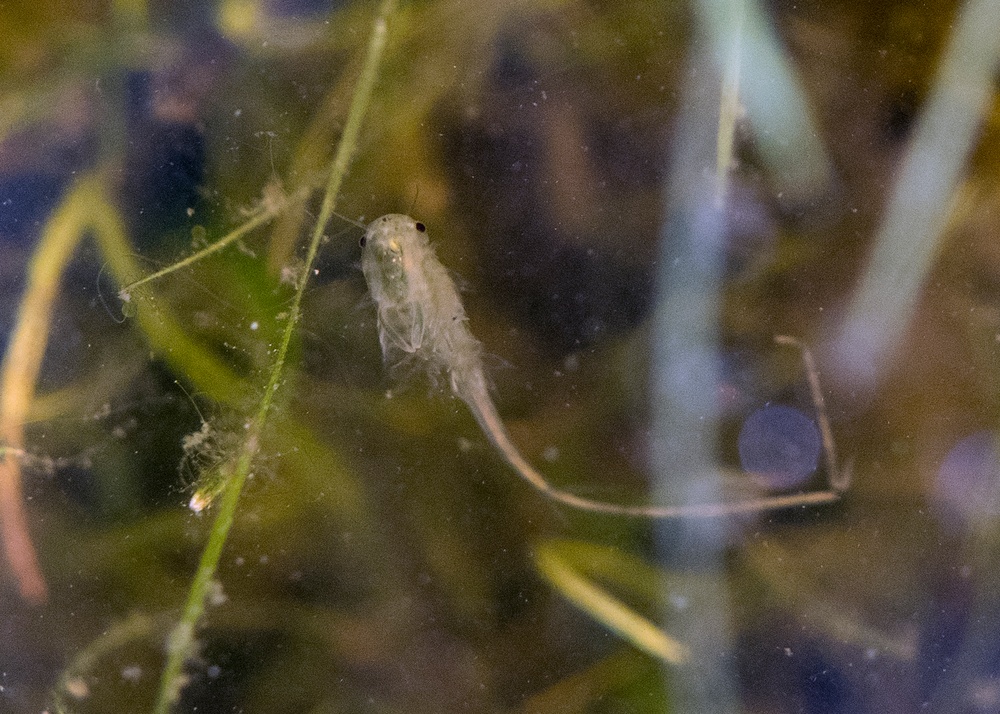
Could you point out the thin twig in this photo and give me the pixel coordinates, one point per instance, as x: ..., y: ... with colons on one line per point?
x: 838, y: 479
x: 258, y: 219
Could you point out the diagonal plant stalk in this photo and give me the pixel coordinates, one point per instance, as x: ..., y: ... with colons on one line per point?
x: 260, y: 218
x: 923, y: 196
x: 566, y: 565
x: 83, y: 208
x: 169, y: 340
x: 180, y: 643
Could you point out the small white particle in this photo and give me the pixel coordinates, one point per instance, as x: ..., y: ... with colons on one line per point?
x: 216, y: 595
x: 132, y: 673
x: 77, y: 688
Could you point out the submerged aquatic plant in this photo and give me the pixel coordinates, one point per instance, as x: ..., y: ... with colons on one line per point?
x: 181, y: 641
x: 382, y: 558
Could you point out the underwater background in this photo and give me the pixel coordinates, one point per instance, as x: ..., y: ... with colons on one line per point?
x: 734, y: 258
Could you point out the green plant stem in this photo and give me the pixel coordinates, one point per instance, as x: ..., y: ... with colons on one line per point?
x: 559, y: 562
x: 202, y: 369
x: 729, y: 103
x: 166, y: 334
x: 180, y: 644
x: 922, y: 198
x: 359, y: 104
x: 258, y: 220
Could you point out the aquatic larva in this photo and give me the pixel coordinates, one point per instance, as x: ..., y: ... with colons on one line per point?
x: 421, y: 318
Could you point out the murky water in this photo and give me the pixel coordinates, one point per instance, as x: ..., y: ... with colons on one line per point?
x: 627, y: 268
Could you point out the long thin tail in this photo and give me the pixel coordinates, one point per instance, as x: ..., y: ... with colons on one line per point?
x: 471, y: 388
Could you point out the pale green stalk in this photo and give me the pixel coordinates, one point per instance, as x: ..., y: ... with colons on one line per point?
x: 211, y: 377
x: 180, y: 643
x: 760, y: 83
x: 553, y: 561
x: 911, y: 233
x: 258, y: 220
x: 165, y: 333
x: 729, y: 103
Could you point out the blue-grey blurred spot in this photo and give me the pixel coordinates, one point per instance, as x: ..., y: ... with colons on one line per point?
x: 781, y: 445
x: 968, y: 480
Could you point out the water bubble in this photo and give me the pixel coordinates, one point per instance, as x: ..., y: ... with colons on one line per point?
x: 781, y: 445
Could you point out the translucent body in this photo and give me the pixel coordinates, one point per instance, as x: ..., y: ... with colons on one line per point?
x: 421, y: 318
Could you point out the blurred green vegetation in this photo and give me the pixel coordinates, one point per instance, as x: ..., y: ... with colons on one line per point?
x: 382, y: 558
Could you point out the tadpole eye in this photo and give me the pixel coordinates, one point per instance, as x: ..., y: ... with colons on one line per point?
x: 364, y: 239
x: 420, y: 227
